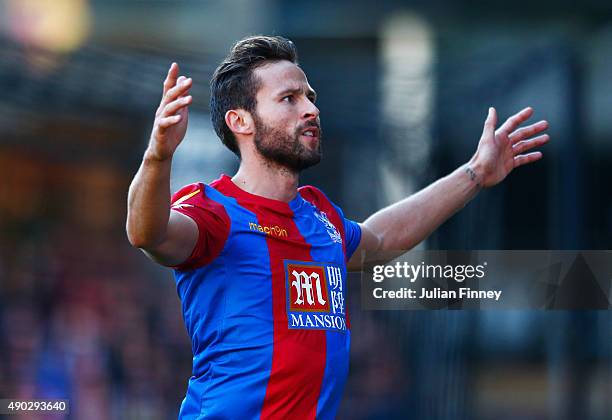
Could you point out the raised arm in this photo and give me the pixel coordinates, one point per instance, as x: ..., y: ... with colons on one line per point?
x: 166, y: 237
x: 404, y: 224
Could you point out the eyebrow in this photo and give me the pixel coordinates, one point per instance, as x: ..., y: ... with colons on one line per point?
x: 310, y: 93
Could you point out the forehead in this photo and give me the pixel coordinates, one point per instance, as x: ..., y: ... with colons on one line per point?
x: 279, y: 76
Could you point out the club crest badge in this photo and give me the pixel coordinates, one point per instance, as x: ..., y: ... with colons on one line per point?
x: 329, y: 226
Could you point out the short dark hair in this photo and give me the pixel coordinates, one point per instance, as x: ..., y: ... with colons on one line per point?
x: 233, y: 85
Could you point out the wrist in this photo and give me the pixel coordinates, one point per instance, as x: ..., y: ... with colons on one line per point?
x: 474, y: 171
x: 150, y: 157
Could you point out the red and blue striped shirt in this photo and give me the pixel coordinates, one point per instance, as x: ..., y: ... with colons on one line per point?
x: 263, y: 298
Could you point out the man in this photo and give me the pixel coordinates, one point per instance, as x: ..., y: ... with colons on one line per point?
x: 261, y: 264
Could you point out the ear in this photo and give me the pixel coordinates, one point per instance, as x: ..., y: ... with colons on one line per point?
x: 240, y: 121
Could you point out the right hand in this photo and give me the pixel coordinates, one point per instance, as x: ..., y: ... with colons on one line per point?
x: 171, y: 116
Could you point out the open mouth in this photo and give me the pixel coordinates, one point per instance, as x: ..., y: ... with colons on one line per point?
x: 312, y: 132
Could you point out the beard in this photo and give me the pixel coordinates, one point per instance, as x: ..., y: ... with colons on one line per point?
x: 284, y: 149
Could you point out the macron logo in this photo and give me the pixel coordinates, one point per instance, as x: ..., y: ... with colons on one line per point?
x: 269, y: 230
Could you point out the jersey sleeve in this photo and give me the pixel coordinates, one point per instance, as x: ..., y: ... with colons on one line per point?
x: 212, y: 221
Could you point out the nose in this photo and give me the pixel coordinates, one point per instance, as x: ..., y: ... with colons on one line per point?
x: 310, y: 110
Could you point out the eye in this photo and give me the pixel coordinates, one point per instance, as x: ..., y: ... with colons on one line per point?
x: 288, y: 98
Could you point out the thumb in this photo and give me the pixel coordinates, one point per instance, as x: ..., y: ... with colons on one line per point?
x: 491, y: 120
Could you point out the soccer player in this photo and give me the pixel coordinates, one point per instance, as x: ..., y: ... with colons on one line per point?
x: 261, y: 264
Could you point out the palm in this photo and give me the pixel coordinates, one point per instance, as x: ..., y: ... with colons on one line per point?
x: 500, y: 151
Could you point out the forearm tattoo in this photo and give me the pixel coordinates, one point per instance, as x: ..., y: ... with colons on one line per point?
x: 472, y: 174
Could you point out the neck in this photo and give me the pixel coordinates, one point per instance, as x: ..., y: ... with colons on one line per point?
x: 263, y: 178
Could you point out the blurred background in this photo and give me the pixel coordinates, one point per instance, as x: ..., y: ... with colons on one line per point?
x: 404, y: 88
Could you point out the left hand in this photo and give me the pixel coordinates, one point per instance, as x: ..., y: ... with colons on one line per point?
x: 500, y: 151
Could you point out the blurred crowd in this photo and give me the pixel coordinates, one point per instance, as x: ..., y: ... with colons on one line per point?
x: 82, y: 315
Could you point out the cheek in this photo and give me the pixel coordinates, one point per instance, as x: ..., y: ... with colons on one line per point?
x: 280, y: 121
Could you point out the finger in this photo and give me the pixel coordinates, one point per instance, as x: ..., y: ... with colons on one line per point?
x: 174, y: 106
x: 164, y: 101
x: 528, y: 158
x: 168, y: 121
x: 491, y: 120
x: 529, y: 131
x: 170, y: 78
x: 517, y: 119
x: 177, y: 90
x: 185, y: 92
x: 525, y: 145
x: 182, y: 83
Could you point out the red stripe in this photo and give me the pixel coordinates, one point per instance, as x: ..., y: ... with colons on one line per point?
x: 320, y: 201
x: 299, y: 356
